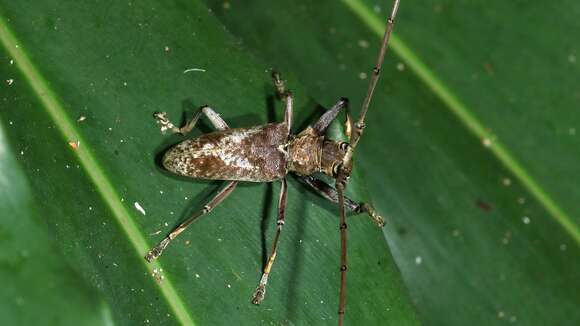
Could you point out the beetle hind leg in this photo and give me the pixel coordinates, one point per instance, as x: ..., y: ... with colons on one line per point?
x: 166, y: 124
x: 216, y: 200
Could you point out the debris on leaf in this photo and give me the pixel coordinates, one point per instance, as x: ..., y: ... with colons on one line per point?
x: 193, y: 69
x: 140, y: 208
x: 74, y: 144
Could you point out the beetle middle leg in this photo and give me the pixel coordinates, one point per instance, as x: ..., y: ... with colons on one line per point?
x: 213, y: 117
x: 329, y: 192
x: 261, y: 289
x: 216, y: 200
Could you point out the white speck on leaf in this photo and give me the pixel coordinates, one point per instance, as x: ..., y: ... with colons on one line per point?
x: 526, y: 220
x: 193, y: 70
x: 139, y: 208
x: 9, y: 81
x: 158, y: 274
x: 418, y: 260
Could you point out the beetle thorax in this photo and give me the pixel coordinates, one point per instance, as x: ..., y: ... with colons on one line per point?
x: 305, y: 152
x: 309, y: 153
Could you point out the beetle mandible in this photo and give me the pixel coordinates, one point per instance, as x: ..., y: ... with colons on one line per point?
x: 267, y: 153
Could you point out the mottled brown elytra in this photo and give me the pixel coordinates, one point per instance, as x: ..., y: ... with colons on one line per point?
x: 268, y: 153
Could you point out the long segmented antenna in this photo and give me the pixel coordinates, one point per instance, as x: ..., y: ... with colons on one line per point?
x: 346, y: 167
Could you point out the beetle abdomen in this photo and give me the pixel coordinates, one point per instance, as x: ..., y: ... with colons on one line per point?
x: 245, y: 154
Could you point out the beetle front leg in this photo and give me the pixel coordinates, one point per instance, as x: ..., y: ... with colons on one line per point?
x: 329, y: 192
x: 326, y: 119
x: 215, y: 119
x: 279, y: 85
x: 261, y: 289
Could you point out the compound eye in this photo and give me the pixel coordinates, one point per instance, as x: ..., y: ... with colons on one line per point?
x: 343, y: 146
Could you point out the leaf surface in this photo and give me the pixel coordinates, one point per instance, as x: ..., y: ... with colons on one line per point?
x: 38, y: 285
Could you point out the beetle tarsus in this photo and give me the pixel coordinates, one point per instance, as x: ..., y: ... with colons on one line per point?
x: 162, y: 119
x: 377, y: 219
x: 260, y: 292
x: 279, y: 85
x: 157, y: 250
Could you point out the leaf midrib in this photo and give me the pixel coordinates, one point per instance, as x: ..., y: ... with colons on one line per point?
x: 466, y: 117
x: 92, y: 168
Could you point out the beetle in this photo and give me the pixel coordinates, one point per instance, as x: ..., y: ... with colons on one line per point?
x: 268, y: 153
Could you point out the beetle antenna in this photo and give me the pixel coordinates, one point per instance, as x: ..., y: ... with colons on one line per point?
x: 378, y: 66
x: 346, y: 167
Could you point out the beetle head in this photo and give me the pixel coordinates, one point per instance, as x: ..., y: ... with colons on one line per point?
x: 333, y: 153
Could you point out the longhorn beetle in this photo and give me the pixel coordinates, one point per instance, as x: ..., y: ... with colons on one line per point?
x: 268, y: 153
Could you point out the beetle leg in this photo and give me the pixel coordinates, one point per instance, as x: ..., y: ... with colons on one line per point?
x: 286, y: 96
x: 279, y: 85
x: 326, y: 119
x: 261, y: 289
x: 216, y: 200
x: 288, y: 111
x: 165, y: 123
x: 329, y: 192
x: 213, y: 117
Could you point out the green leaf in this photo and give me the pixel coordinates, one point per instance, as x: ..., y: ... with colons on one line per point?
x: 471, y: 145
x: 39, y: 287
x: 85, y: 80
